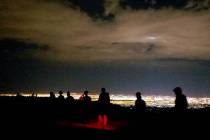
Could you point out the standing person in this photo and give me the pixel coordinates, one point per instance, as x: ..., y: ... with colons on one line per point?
x: 181, y: 102
x: 104, y: 102
x: 86, y: 97
x: 104, y: 97
x: 52, y: 95
x: 86, y: 105
x: 69, y: 98
x: 60, y: 97
x: 140, y: 104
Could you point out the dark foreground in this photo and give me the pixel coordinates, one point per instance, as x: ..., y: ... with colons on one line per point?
x: 41, y: 117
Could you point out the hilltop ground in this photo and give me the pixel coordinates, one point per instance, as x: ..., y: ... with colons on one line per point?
x: 38, y: 116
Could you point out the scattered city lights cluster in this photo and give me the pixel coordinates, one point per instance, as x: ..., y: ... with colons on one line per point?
x: 129, y: 100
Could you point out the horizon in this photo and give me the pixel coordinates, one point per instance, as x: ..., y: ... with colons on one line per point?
x: 129, y: 100
x: 47, y: 93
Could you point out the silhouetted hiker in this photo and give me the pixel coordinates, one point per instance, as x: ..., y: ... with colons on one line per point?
x: 18, y: 94
x: 140, y: 104
x: 60, y: 97
x: 104, y: 102
x: 33, y: 95
x: 52, y: 95
x: 19, y: 97
x: 85, y: 105
x: 86, y: 98
x: 181, y: 103
x: 104, y: 97
x: 69, y: 98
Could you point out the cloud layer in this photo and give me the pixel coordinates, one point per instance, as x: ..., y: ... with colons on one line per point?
x: 110, y: 30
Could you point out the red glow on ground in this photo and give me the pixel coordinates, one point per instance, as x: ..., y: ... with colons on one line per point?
x: 101, y: 124
x: 93, y: 125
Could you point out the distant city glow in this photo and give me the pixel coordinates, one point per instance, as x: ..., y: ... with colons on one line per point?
x: 128, y: 100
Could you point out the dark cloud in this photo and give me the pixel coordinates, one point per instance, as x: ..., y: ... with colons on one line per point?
x: 159, y: 4
x: 94, y: 8
x: 156, y: 4
x: 11, y: 49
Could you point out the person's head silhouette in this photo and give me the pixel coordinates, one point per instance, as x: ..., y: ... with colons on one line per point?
x: 177, y: 91
x: 86, y: 93
x: 103, y: 90
x: 60, y: 92
x: 138, y: 95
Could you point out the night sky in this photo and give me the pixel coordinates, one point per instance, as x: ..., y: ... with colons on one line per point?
x: 123, y: 45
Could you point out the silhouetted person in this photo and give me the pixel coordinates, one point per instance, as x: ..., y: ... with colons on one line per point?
x: 181, y: 103
x: 18, y: 94
x: 52, y: 95
x: 69, y: 98
x: 19, y: 97
x: 140, y: 105
x: 104, y: 98
x: 60, y: 97
x: 86, y: 98
x: 33, y: 95
x: 104, y: 102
